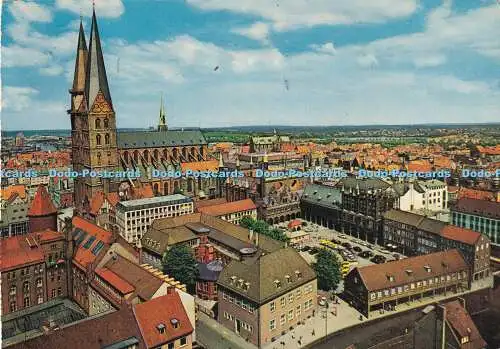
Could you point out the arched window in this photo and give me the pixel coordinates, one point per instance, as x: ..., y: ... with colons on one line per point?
x: 106, y: 123
x: 98, y: 158
x: 97, y: 123
x: 106, y: 138
x: 13, y: 289
x: 98, y: 139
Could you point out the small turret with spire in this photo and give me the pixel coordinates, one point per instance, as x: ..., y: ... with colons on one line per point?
x: 162, y: 124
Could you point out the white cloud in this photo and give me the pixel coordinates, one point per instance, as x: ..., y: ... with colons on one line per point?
x: 327, y: 48
x: 17, y: 98
x: 17, y: 56
x: 290, y: 14
x: 367, y: 60
x: 30, y: 11
x: 54, y: 70
x: 107, y: 8
x: 258, y: 31
x: 430, y: 61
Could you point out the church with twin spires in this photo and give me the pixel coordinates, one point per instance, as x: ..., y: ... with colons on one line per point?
x: 97, y: 144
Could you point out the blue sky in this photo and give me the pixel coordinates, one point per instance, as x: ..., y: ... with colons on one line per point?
x: 293, y: 62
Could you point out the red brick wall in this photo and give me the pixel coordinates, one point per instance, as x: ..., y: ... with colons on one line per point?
x: 43, y: 223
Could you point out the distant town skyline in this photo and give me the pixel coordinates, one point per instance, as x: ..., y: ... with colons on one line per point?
x: 223, y: 63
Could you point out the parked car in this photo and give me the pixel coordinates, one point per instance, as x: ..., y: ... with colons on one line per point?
x: 378, y: 259
x: 396, y: 256
x: 366, y: 254
x: 306, y: 248
x: 313, y: 250
x: 357, y: 249
x: 338, y: 242
x: 346, y: 245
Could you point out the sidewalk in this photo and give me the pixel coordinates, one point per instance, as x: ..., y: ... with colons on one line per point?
x: 212, y: 335
x: 349, y: 317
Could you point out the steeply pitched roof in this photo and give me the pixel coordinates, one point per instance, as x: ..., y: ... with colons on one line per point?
x: 463, y: 325
x: 376, y: 277
x: 263, y: 272
x: 42, y: 203
x: 145, y: 284
x: 155, y: 139
x: 80, y: 62
x: 18, y: 189
x: 96, y: 80
x: 90, y: 241
x: 484, y: 208
x: 164, y: 311
x: 228, y: 207
x: 93, y: 333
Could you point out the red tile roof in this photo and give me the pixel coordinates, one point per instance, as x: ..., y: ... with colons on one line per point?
x: 84, y: 256
x: 229, y: 207
x: 42, y: 203
x: 295, y: 223
x: 375, y: 277
x: 49, y: 235
x: 98, y: 200
x: 461, y: 322
x: 16, y: 252
x: 161, y: 311
x: 209, y: 165
x: 203, y: 203
x: 18, y: 189
x: 115, y: 281
x: 460, y: 234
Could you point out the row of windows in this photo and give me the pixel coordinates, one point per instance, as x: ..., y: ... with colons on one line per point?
x: 289, y: 316
x: 148, y: 211
x: 244, y: 325
x: 26, y: 303
x: 290, y: 297
x: 420, y: 284
x: 238, y: 301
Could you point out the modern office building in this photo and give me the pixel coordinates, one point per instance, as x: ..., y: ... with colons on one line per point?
x: 479, y: 215
x: 134, y: 217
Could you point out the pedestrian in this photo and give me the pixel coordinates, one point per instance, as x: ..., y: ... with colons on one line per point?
x: 313, y: 333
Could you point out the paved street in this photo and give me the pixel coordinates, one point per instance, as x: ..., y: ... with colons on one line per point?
x: 212, y: 335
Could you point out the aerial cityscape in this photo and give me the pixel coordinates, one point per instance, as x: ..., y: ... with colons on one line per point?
x: 246, y: 174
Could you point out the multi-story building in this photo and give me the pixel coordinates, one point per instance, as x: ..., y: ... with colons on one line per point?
x: 222, y: 240
x: 479, y: 215
x: 14, y: 206
x: 263, y: 297
x: 134, y: 217
x: 233, y: 211
x: 364, y: 201
x: 158, y: 323
x: 206, y: 283
x: 32, y: 269
x: 382, y: 286
x: 428, y: 196
x: 322, y: 204
x: 414, y: 235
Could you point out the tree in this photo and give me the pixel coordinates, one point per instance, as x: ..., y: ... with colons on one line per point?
x: 179, y: 263
x: 261, y: 227
x: 327, y: 268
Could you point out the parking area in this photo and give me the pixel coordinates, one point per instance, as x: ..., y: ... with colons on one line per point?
x: 348, y: 248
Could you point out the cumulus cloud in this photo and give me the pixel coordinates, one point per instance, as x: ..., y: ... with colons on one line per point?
x: 291, y: 14
x: 258, y: 31
x: 17, y: 98
x: 30, y: 11
x: 108, y: 8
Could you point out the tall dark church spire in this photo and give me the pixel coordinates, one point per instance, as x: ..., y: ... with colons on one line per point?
x: 81, y: 62
x: 96, y: 80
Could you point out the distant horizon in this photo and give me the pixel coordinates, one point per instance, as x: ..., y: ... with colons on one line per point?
x: 277, y: 126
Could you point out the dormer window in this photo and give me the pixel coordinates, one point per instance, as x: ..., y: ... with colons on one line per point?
x: 175, y: 323
x: 427, y: 268
x: 288, y: 278
x: 298, y: 274
x: 390, y: 278
x: 246, y: 286
x: 233, y: 279
x: 277, y: 283
x: 240, y: 283
x: 161, y: 328
x: 409, y: 272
